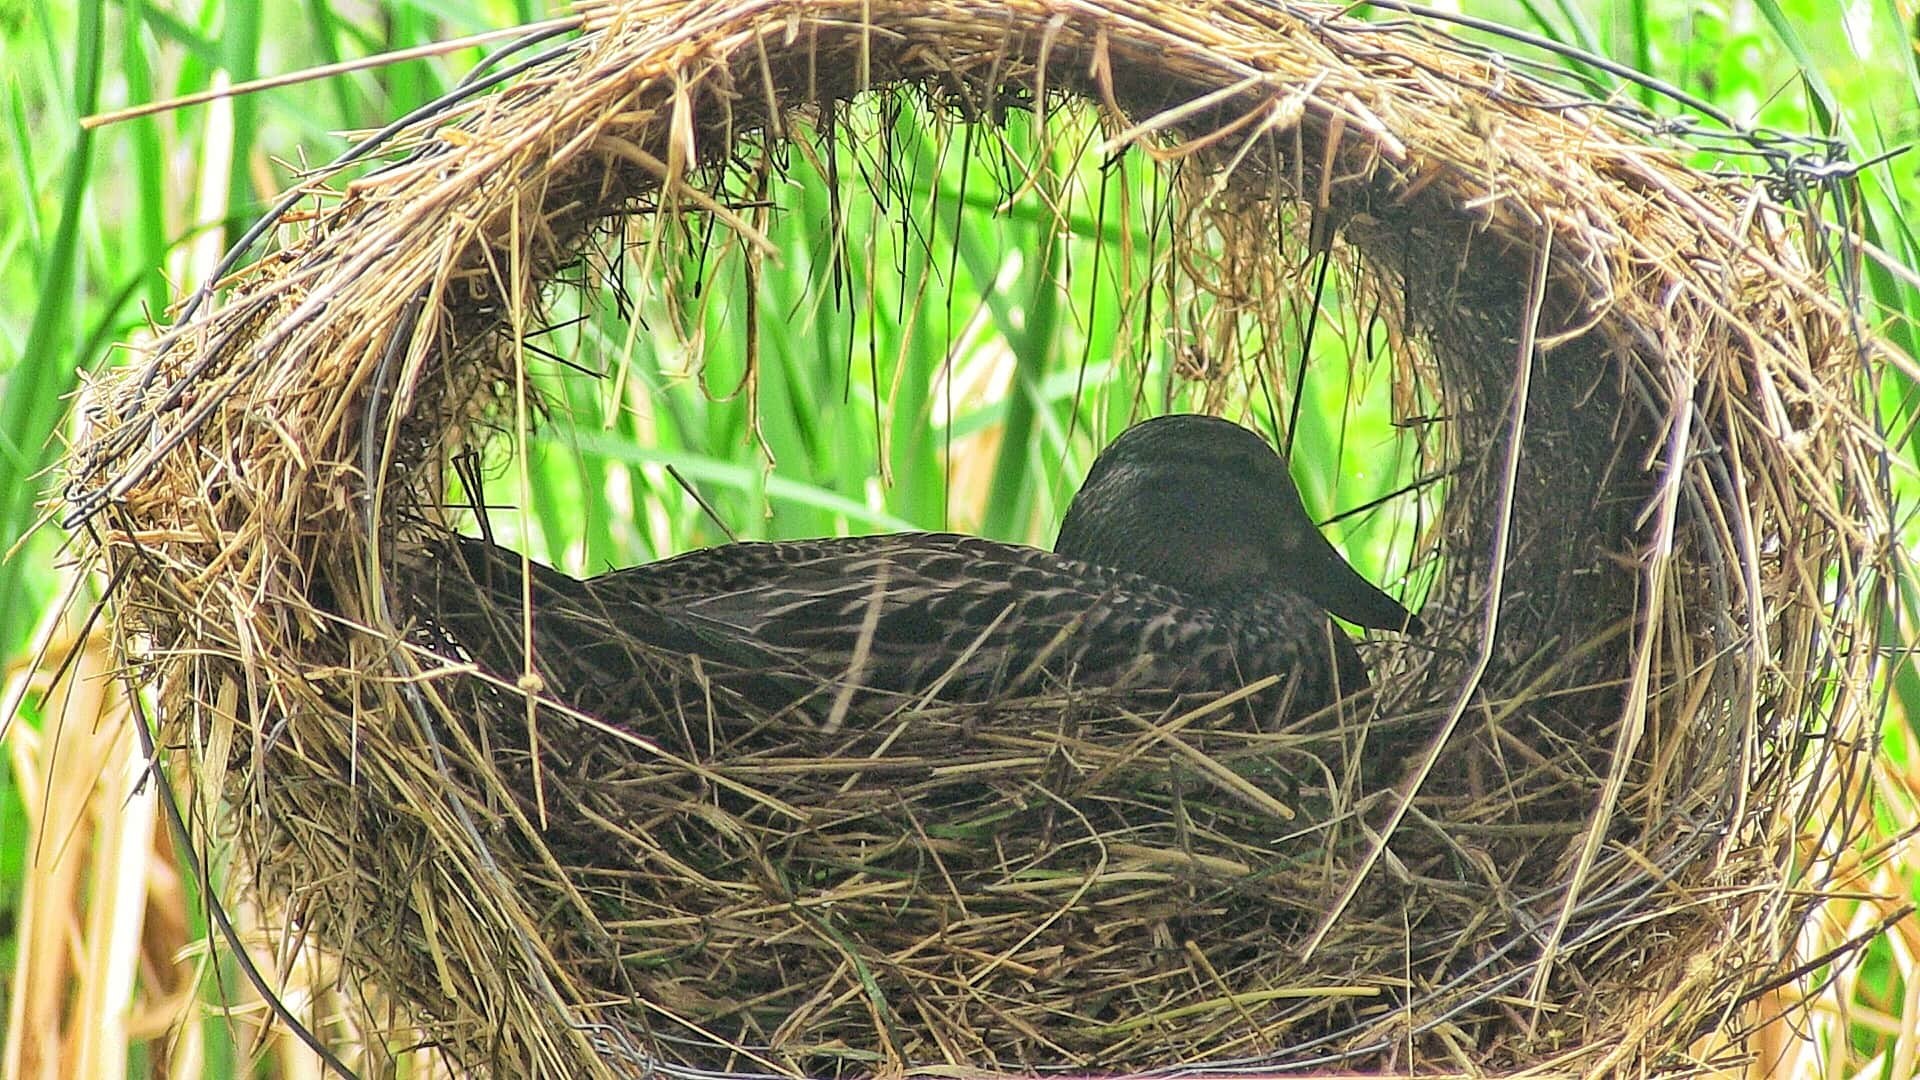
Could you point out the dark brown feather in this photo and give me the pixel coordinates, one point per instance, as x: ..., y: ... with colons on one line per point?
x: 878, y: 622
x: 1186, y: 566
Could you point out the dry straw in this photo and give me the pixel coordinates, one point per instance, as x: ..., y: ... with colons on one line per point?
x: 1577, y: 839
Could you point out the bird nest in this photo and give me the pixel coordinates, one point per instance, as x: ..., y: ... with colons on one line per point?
x: 1575, y: 832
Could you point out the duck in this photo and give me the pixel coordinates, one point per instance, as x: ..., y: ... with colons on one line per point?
x: 1186, y: 566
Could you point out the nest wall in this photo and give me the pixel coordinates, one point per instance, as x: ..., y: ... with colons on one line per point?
x: 1651, y: 559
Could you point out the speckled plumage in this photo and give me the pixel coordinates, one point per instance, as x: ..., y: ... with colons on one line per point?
x: 824, y: 630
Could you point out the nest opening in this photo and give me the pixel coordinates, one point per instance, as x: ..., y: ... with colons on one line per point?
x: 1578, y: 792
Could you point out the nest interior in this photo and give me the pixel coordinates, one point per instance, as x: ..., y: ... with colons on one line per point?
x: 1576, y: 815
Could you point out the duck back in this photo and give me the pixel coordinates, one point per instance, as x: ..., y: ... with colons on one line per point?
x: 823, y: 630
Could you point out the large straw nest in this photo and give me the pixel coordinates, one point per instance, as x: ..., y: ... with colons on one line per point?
x: 1649, y: 645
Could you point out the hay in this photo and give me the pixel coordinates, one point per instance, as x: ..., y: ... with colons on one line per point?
x: 1653, y: 561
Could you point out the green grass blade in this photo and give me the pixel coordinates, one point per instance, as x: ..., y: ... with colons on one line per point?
x: 33, y: 394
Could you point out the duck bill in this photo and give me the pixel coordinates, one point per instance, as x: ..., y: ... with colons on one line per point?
x: 1335, y: 585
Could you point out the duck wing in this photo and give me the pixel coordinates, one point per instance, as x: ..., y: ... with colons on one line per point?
x: 866, y: 625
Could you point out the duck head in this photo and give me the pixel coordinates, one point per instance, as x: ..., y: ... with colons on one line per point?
x: 1207, y: 507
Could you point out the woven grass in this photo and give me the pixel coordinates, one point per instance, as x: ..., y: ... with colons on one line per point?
x: 1573, y: 840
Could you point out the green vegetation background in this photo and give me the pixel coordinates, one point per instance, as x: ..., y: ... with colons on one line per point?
x: 866, y: 394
